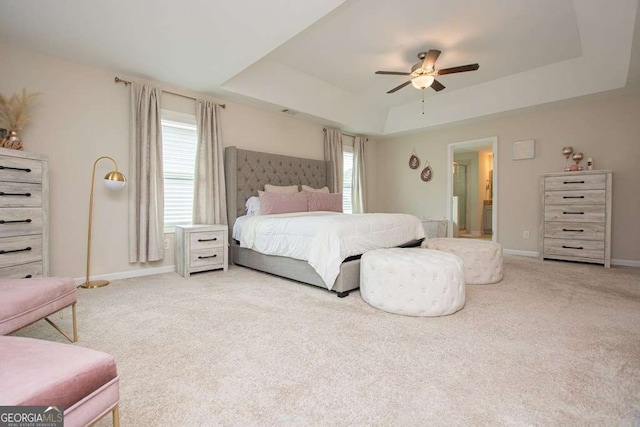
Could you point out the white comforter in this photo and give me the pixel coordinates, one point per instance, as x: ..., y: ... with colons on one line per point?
x: 325, y: 239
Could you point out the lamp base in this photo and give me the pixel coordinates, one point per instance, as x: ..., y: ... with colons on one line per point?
x: 94, y: 284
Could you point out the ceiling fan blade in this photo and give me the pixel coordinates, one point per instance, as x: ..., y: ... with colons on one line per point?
x: 437, y: 86
x: 393, y: 73
x: 399, y: 87
x: 429, y: 61
x: 460, y: 69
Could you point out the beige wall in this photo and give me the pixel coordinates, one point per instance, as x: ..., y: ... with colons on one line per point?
x: 82, y: 115
x: 605, y: 127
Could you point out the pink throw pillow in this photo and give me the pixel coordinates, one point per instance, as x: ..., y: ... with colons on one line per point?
x: 275, y: 203
x: 325, y: 202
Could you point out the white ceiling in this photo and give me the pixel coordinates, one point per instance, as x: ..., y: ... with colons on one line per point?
x: 319, y: 57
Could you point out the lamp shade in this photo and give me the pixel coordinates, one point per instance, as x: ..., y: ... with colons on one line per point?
x: 115, y: 180
x: 422, y: 82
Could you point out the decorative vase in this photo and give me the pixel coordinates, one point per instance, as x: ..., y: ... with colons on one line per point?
x: 13, y: 141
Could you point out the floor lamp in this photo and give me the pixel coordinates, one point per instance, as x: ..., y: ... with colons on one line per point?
x: 114, y: 180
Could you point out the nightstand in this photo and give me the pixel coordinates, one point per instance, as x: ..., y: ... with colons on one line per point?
x: 201, y: 248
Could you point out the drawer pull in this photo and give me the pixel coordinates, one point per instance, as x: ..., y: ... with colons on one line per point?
x: 28, y: 248
x: 205, y: 257
x: 28, y: 276
x: 2, y: 221
x: 573, y: 182
x: 2, y: 193
x: 573, y: 197
x: 571, y: 229
x: 15, y: 169
x: 208, y: 240
x: 572, y: 247
x: 572, y: 213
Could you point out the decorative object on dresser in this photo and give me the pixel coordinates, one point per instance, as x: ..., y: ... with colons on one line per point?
x: 14, y: 115
x: 201, y: 248
x: 113, y: 180
x: 576, y: 216
x: 24, y: 215
x: 567, y: 152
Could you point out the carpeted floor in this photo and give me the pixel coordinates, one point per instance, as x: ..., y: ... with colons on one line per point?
x: 552, y: 344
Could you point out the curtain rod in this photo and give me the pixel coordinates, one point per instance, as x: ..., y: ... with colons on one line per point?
x: 347, y: 134
x: 127, y: 82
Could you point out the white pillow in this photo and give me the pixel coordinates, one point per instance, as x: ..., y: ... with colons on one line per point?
x: 281, y: 189
x: 253, y: 206
x: 316, y: 190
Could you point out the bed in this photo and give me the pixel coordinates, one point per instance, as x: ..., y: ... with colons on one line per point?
x: 246, y: 172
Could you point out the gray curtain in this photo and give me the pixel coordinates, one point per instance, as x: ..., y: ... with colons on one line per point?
x: 333, y: 152
x: 358, y: 178
x: 209, y: 198
x: 146, y: 186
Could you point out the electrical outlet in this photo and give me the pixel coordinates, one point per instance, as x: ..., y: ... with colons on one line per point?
x: 166, y: 243
x: 525, y: 234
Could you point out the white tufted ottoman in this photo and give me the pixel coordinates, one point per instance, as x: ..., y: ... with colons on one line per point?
x: 482, y: 259
x: 413, y: 282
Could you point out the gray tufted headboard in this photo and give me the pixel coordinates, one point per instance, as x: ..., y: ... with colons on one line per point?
x: 246, y: 172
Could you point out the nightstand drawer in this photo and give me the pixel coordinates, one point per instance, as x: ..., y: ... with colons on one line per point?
x: 16, y: 169
x: 206, y: 239
x: 577, y: 182
x: 22, y: 271
x: 574, y: 248
x: 20, y: 194
x: 20, y: 221
x: 585, y: 197
x: 575, y: 213
x: 207, y: 257
x: 20, y: 250
x: 568, y: 230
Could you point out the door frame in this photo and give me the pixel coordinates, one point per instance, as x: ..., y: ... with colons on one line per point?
x: 483, y: 142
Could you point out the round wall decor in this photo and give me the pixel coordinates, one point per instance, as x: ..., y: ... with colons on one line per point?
x: 414, y: 161
x: 426, y: 174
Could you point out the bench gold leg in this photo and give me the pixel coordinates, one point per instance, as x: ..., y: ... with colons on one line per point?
x: 75, y: 325
x: 116, y: 416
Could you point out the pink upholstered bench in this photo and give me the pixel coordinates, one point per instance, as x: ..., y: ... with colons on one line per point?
x: 25, y: 301
x: 82, y: 381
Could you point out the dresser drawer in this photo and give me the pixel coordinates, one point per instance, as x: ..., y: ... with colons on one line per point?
x: 207, y: 257
x: 591, y: 249
x: 206, y: 239
x: 575, y: 213
x: 575, y: 197
x: 569, y: 230
x: 16, y: 169
x: 22, y: 271
x: 20, y: 221
x: 20, y: 250
x: 581, y: 182
x: 20, y: 194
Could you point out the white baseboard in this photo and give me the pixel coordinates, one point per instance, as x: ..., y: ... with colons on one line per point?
x: 517, y: 252
x: 129, y: 274
x: 625, y: 262
x: 620, y: 262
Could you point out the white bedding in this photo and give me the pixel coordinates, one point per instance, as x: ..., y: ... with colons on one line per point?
x: 325, y: 239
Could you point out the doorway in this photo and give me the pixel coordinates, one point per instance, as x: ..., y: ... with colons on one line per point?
x: 472, y: 170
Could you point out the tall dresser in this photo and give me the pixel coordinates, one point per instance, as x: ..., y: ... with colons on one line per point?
x: 576, y: 216
x: 24, y: 222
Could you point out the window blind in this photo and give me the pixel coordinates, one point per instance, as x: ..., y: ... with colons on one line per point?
x: 347, y: 160
x: 179, y: 142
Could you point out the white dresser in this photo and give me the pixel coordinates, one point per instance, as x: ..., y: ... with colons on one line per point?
x: 576, y: 216
x: 24, y: 221
x: 201, y: 248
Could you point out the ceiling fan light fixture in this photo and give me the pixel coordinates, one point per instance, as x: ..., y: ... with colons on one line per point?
x: 422, y: 82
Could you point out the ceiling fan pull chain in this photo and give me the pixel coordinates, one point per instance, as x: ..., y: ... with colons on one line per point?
x: 423, y: 102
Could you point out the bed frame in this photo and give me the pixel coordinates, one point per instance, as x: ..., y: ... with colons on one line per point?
x: 246, y: 172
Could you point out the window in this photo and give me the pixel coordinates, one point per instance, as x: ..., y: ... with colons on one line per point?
x: 347, y: 169
x: 179, y: 142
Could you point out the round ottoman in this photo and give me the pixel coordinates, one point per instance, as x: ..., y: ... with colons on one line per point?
x: 482, y: 258
x: 413, y: 282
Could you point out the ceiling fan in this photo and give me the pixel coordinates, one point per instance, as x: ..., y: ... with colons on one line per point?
x: 423, y: 73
